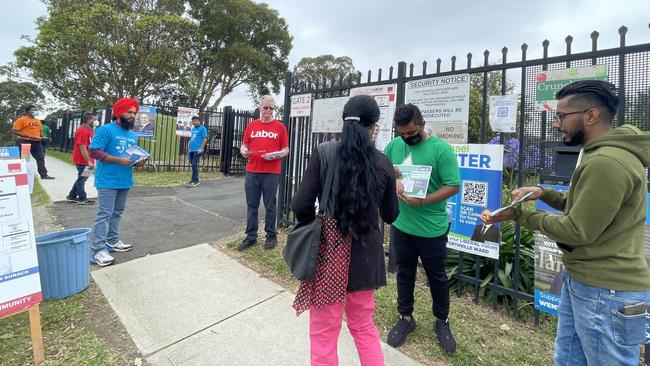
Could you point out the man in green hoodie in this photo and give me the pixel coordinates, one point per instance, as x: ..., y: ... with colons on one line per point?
x: 606, y: 283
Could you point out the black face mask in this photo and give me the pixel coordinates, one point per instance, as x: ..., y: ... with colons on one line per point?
x: 127, y: 124
x: 413, y: 140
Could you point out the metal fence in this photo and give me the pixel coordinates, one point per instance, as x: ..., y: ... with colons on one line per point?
x: 539, y: 145
x: 169, y: 151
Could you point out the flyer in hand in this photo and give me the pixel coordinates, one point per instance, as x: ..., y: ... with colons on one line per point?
x: 137, y: 154
x: 415, y: 179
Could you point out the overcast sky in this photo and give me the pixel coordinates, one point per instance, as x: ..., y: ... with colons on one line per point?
x: 379, y: 34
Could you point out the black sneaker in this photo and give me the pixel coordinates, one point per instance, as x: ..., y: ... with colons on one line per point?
x: 397, y: 335
x: 270, y: 242
x: 70, y: 199
x: 445, y: 338
x: 246, y: 243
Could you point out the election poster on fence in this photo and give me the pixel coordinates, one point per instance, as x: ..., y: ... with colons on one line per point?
x: 300, y: 105
x: 326, y: 117
x: 548, y: 261
x: 145, y: 121
x: 386, y: 98
x: 20, y: 285
x: 481, y: 178
x: 184, y: 121
x: 550, y: 82
x: 444, y: 103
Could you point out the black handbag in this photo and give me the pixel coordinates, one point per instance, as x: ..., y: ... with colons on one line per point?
x: 303, y: 241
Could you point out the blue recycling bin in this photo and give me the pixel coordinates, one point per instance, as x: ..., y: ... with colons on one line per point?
x: 63, y: 262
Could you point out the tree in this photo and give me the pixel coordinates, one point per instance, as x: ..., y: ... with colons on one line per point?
x: 315, y: 70
x: 14, y: 97
x: 637, y: 110
x: 476, y: 102
x: 239, y: 42
x: 95, y: 51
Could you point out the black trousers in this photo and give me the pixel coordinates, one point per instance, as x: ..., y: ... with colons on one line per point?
x: 38, y: 154
x: 433, y: 253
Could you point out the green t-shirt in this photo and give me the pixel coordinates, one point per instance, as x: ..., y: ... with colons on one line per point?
x: 45, y: 131
x: 430, y: 220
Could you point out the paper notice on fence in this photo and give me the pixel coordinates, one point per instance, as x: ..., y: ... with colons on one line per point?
x: 550, y: 82
x: 328, y: 115
x: 503, y: 113
x: 415, y: 179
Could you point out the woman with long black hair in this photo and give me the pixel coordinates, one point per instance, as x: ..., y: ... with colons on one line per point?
x: 350, y: 265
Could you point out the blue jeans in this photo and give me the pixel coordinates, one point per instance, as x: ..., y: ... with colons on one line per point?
x: 194, y: 157
x: 78, y: 191
x: 257, y: 185
x: 110, y: 206
x: 591, y: 328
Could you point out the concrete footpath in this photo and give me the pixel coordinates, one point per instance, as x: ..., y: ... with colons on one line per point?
x: 65, y: 175
x: 182, y: 301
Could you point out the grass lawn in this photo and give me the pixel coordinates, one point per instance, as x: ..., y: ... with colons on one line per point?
x: 484, y: 336
x: 148, y: 178
x: 68, y: 336
x: 39, y: 197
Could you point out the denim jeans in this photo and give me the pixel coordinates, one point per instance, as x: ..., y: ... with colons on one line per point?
x: 110, y: 206
x: 194, y: 157
x: 591, y: 328
x: 78, y: 191
x: 257, y: 185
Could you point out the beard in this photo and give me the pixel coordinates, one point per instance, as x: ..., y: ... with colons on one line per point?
x: 577, y: 137
x: 127, y: 123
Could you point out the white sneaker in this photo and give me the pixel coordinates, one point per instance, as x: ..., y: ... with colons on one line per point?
x: 120, y: 246
x: 102, y: 258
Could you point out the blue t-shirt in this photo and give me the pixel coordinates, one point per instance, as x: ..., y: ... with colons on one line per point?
x: 196, y: 139
x: 113, y: 140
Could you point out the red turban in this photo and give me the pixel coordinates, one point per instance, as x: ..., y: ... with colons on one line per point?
x: 124, y: 104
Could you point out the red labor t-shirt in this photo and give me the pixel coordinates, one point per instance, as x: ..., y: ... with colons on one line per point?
x: 82, y: 136
x: 263, y: 138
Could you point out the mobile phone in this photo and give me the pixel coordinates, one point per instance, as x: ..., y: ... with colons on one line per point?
x: 635, y: 309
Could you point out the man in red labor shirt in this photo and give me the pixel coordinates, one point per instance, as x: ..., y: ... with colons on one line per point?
x: 81, y: 157
x: 265, y: 144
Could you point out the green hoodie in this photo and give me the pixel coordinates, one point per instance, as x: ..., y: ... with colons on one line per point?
x: 601, y: 232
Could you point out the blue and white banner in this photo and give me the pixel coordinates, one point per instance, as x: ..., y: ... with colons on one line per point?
x: 145, y: 121
x: 481, y: 179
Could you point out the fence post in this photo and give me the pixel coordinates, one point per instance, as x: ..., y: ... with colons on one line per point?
x: 227, y: 139
x: 400, y: 98
x: 283, y: 218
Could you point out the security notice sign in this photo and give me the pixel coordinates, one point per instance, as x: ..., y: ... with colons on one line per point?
x: 444, y: 103
x: 20, y: 286
x: 300, y: 105
x: 481, y: 178
x: 386, y: 98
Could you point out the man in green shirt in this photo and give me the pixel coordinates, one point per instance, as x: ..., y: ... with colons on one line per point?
x: 606, y: 283
x: 45, y: 137
x: 421, y: 228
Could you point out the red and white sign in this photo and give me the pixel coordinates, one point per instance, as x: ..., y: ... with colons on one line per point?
x: 20, y: 285
x: 385, y: 96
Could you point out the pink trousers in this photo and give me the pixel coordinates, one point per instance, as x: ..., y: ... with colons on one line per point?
x: 325, y: 325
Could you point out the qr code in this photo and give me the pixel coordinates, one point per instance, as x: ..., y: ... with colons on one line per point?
x: 474, y: 193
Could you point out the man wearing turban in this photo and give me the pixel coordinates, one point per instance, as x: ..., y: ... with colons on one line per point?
x: 113, y: 180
